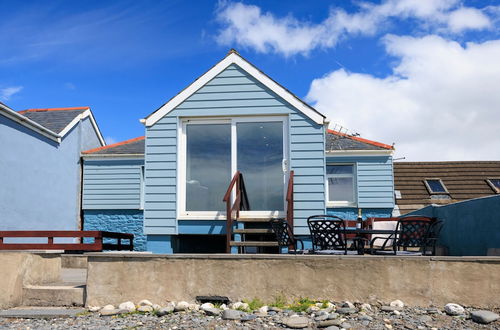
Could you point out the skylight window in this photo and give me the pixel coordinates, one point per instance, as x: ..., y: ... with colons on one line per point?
x: 435, y: 186
x: 494, y: 184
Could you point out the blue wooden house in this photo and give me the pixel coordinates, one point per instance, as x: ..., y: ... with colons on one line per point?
x: 40, y: 167
x: 233, y: 134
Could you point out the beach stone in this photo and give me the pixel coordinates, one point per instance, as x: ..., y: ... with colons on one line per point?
x: 94, y: 309
x: 346, y: 310
x: 332, y: 328
x: 397, y: 303
x: 328, y: 323
x: 263, y: 310
x: 231, y: 314
x: 312, y: 309
x: 332, y: 316
x: 484, y: 316
x: 425, y: 318
x: 239, y: 305
x: 224, y: 307
x: 348, y: 304
x: 248, y: 317
x: 165, y: 310
x: 275, y: 309
x: 366, y: 307
x: 128, y: 305
x: 389, y: 309
x: 454, y: 309
x: 432, y: 310
x: 145, y: 309
x: 298, y: 322
x: 108, y: 308
x: 145, y: 302
x: 111, y: 312
x: 346, y: 325
x: 206, y: 306
x: 212, y: 311
x: 181, y: 306
x: 322, y: 317
x: 365, y: 317
x: 396, y: 312
x: 194, y: 307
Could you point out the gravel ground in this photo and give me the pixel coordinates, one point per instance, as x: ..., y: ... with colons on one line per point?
x: 409, y: 318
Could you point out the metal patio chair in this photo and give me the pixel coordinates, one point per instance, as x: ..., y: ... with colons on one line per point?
x: 285, y: 237
x: 412, y: 232
x: 328, y: 235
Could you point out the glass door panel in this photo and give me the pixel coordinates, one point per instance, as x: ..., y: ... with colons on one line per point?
x: 208, y: 166
x: 259, y: 159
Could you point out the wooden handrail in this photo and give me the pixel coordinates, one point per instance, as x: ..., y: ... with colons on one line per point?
x: 240, y: 202
x: 97, y: 245
x: 289, y: 200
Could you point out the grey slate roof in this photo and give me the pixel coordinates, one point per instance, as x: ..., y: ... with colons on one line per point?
x: 335, y: 141
x: 129, y: 147
x: 54, y: 120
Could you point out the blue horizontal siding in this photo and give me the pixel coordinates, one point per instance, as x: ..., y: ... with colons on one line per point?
x: 375, y: 180
x: 111, y: 184
x: 161, y: 178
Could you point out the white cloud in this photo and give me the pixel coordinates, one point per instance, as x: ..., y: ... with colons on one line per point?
x: 441, y: 102
x: 6, y: 93
x: 247, y: 26
x: 467, y: 18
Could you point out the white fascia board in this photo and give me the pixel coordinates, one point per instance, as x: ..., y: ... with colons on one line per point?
x: 117, y: 156
x: 77, y: 119
x: 24, y: 121
x: 234, y: 58
x: 359, y: 153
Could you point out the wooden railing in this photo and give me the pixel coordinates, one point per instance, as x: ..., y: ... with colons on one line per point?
x: 96, y: 245
x: 233, y: 210
x: 289, y: 200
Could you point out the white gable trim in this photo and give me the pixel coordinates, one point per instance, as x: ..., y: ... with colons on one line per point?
x: 77, y: 119
x: 233, y: 58
x: 24, y: 121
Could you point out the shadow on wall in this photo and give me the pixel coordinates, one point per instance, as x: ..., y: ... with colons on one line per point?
x: 471, y: 228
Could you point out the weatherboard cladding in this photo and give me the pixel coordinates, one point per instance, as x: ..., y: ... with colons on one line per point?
x: 374, y: 177
x: 232, y: 92
x: 55, y: 121
x: 112, y: 184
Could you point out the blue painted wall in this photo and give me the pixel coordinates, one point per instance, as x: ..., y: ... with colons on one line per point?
x: 122, y: 221
x: 470, y: 227
x: 374, y: 179
x: 112, y: 184
x: 232, y: 93
x: 40, y: 179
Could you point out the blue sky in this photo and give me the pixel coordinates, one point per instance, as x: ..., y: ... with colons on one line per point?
x: 422, y: 74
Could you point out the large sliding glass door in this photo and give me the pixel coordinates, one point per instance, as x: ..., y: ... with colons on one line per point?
x: 213, y: 150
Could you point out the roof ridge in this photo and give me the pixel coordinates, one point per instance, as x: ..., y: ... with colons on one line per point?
x: 109, y: 146
x: 360, y: 139
x: 52, y: 109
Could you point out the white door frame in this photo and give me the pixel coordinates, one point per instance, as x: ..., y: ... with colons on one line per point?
x: 181, y: 166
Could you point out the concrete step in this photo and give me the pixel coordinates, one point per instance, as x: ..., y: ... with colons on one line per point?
x: 34, y: 312
x: 75, y: 276
x: 253, y: 231
x: 253, y: 243
x: 54, y: 295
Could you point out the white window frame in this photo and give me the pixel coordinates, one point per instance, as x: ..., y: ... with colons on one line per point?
x: 182, y: 214
x: 445, y: 192
x: 495, y: 188
x: 142, y: 174
x: 354, y: 186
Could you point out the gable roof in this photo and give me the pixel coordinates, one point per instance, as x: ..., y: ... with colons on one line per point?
x: 134, y: 146
x: 463, y: 180
x: 337, y: 141
x: 28, y: 123
x: 62, y: 120
x: 234, y: 58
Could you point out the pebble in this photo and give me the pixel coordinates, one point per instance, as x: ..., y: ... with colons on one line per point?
x: 346, y: 310
x: 145, y: 302
x: 389, y: 309
x: 484, y: 317
x: 454, y: 309
x: 248, y: 317
x: 332, y: 328
x: 299, y: 322
x: 333, y: 316
x: 425, y: 318
x: 366, y: 307
x: 108, y: 308
x: 181, y: 306
x: 263, y: 310
x: 348, y: 304
x: 145, y: 309
x: 397, y: 303
x: 165, y: 310
x: 94, y: 309
x: 327, y: 323
x: 212, y: 311
x: 321, y: 317
x: 346, y: 325
x: 206, y: 306
x: 239, y: 305
x: 231, y: 314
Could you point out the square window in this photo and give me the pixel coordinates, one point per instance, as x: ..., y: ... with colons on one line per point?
x: 435, y: 186
x: 341, y: 185
x: 494, y: 184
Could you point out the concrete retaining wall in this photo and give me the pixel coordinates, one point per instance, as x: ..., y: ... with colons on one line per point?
x: 422, y: 281
x: 18, y: 269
